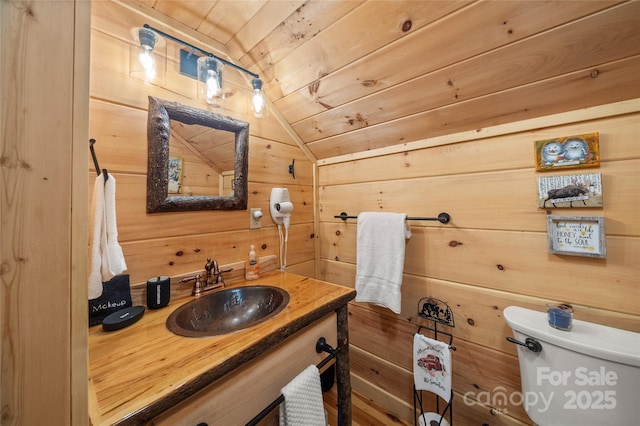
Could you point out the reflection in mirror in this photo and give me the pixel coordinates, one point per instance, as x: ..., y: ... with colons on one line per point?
x: 198, y: 160
x: 201, y: 160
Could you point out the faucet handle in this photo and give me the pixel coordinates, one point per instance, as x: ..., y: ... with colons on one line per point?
x: 197, y: 285
x: 220, y: 279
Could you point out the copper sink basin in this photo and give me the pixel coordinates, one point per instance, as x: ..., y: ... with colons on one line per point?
x: 228, y: 310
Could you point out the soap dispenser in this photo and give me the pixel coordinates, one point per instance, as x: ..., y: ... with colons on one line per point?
x: 253, y: 267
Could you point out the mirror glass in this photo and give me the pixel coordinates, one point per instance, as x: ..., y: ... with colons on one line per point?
x: 198, y: 160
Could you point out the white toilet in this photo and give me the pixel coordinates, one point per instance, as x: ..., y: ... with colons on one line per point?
x: 589, y: 376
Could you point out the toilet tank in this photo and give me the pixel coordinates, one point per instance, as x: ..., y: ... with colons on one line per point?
x: 584, y: 377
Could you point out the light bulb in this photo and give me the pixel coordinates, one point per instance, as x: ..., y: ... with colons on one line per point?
x: 148, y: 62
x: 210, y: 81
x: 213, y: 88
x: 257, y: 103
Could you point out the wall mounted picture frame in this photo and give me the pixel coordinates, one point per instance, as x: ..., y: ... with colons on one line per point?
x: 568, y: 152
x: 576, y: 236
x: 175, y: 175
x: 569, y: 191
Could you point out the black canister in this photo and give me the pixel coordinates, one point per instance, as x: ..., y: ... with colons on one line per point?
x: 158, y: 292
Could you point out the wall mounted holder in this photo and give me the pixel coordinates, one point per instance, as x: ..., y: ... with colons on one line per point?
x: 442, y: 217
x: 292, y: 170
x: 439, y: 312
x: 95, y: 160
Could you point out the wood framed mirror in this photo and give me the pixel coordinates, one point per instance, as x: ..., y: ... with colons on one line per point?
x: 212, y: 176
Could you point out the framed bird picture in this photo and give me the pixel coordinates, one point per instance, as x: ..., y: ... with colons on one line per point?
x: 567, y: 152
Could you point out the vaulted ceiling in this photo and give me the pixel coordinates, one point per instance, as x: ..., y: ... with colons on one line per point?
x: 350, y: 76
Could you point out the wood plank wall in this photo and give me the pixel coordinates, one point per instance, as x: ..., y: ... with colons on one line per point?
x: 178, y: 243
x: 44, y: 122
x: 488, y: 185
x: 493, y: 254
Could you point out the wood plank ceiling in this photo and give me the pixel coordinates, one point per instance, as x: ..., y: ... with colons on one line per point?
x: 351, y: 76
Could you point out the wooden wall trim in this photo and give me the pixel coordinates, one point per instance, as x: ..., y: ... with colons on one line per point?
x: 44, y: 146
x: 316, y: 219
x: 601, y: 111
x: 80, y: 216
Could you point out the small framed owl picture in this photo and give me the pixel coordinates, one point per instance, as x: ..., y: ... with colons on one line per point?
x: 567, y: 152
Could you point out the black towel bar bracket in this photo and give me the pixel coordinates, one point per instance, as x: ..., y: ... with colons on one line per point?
x: 442, y: 217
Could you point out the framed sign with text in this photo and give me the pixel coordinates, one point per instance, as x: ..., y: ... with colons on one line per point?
x: 576, y: 235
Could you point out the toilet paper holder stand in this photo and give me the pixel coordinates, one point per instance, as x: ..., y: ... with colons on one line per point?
x: 439, y: 312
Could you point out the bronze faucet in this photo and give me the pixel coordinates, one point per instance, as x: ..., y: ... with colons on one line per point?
x: 213, y: 279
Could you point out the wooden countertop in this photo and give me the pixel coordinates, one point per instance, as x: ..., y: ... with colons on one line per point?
x: 140, y: 371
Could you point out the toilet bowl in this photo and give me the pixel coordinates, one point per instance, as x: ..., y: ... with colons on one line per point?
x: 588, y: 376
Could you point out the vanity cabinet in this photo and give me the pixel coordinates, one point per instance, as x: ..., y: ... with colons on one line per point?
x: 240, y: 395
x: 147, y: 375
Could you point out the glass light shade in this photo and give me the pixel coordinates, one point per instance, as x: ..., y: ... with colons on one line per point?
x: 210, y: 81
x: 148, y: 57
x: 257, y: 98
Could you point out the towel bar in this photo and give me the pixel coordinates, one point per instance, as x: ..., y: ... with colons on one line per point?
x: 321, y: 346
x: 442, y: 217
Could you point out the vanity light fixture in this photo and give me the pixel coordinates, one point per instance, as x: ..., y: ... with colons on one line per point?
x: 148, y: 57
x: 257, y: 99
x: 207, y: 68
x: 210, y: 82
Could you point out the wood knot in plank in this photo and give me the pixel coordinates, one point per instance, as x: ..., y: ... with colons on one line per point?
x: 358, y: 120
x: 313, y: 87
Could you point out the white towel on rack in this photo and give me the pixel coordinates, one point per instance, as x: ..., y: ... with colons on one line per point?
x: 107, y: 259
x: 380, y: 258
x: 432, y: 366
x: 303, y: 405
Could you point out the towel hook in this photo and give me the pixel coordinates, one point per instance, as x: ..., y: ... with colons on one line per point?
x: 95, y: 160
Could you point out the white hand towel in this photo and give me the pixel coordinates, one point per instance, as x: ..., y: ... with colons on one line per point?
x: 106, y: 259
x: 115, y: 264
x: 303, y: 405
x: 432, y: 366
x: 96, y: 225
x: 380, y: 258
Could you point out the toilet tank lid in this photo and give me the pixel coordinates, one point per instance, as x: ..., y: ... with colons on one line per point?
x: 591, y: 339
